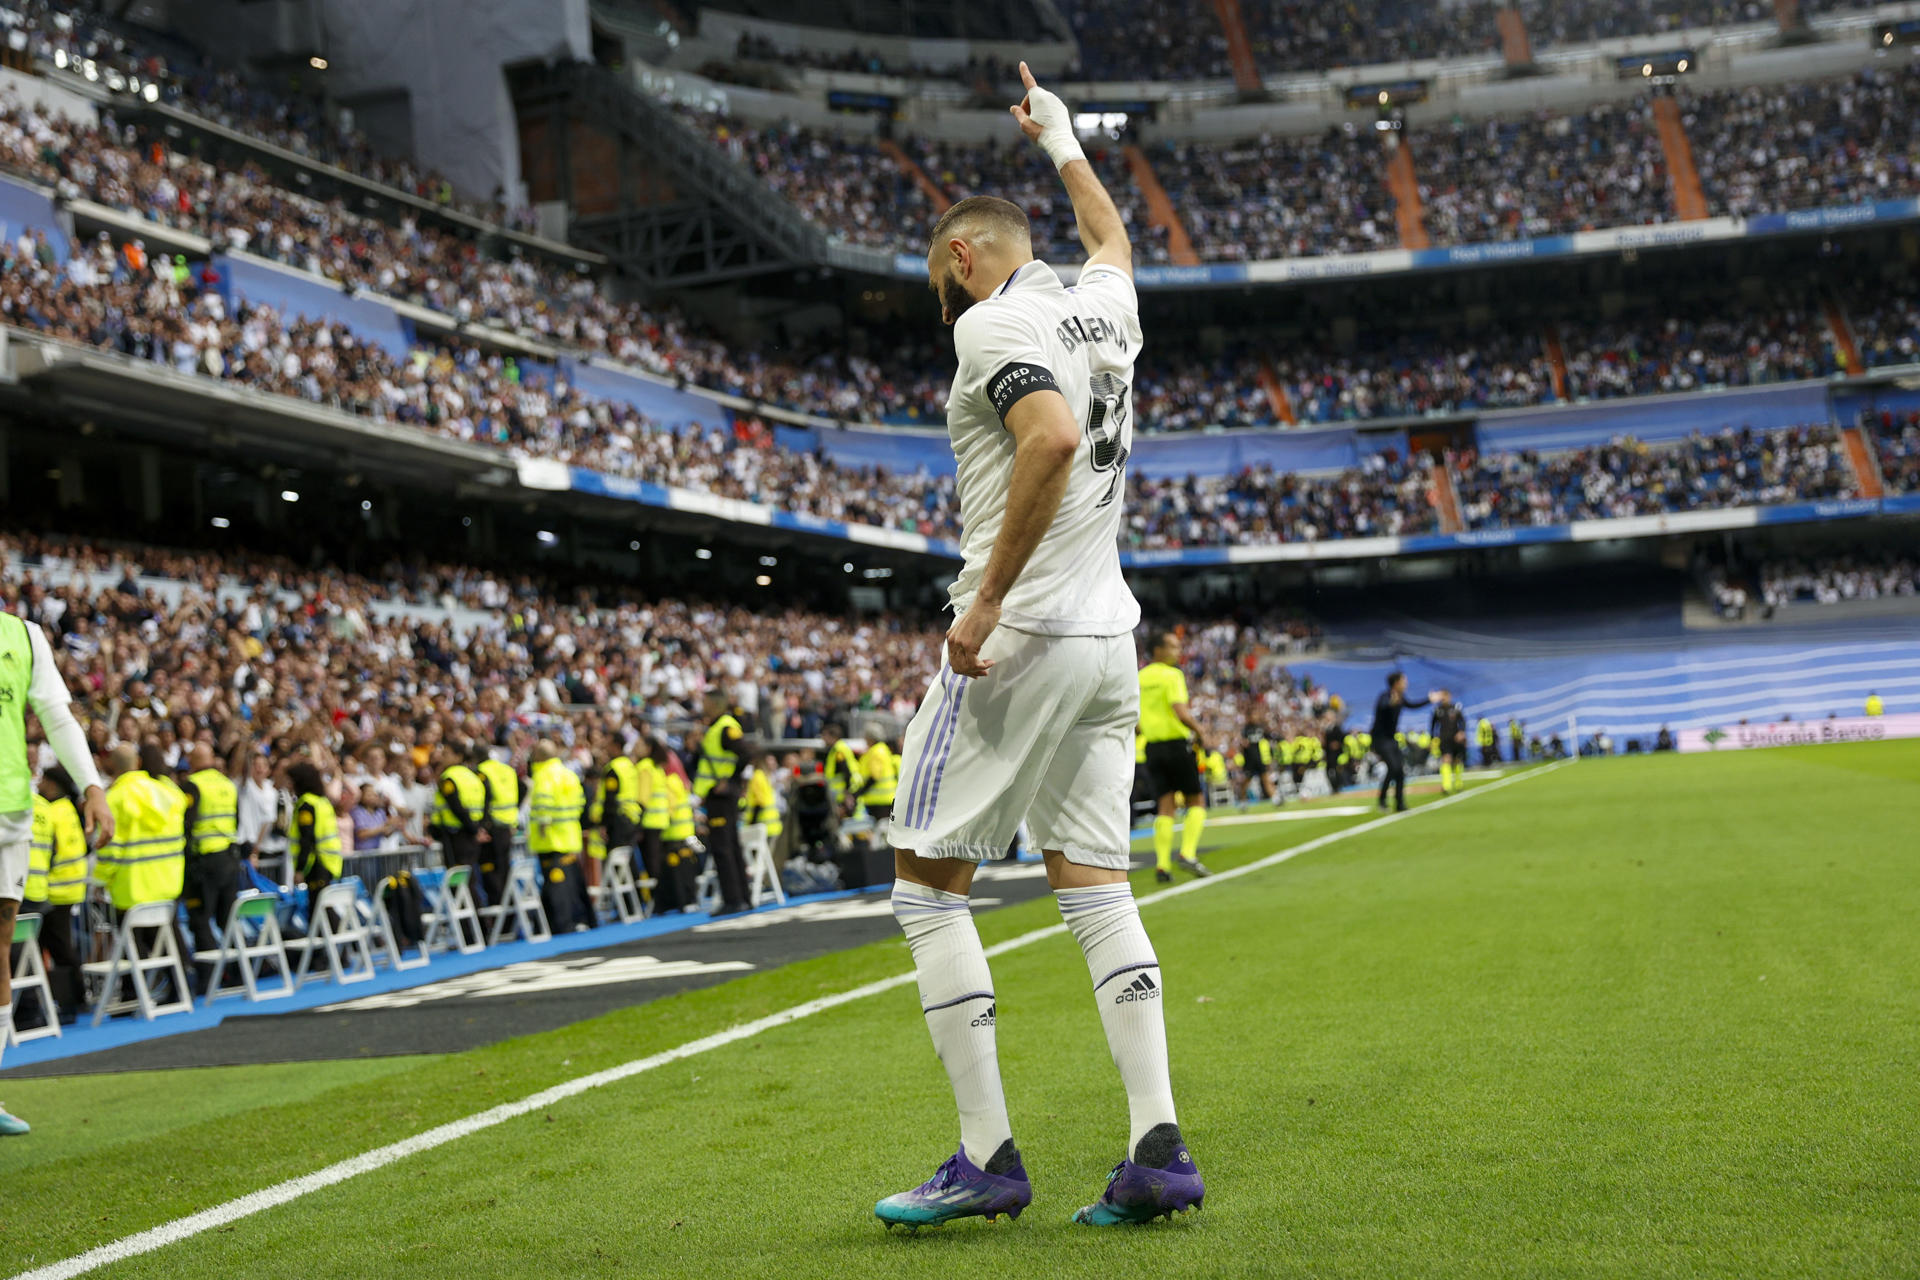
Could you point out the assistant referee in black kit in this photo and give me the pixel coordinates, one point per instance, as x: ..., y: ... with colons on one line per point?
x: 1386, y: 723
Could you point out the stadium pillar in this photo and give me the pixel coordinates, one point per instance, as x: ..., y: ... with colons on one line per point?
x: 1408, y: 212
x: 1160, y: 210
x: 920, y: 177
x: 1233, y: 24
x: 1866, y: 468
x: 1277, y: 395
x: 1689, y: 201
x: 1446, y: 499
x: 1842, y: 336
x: 1515, y: 45
x: 1788, y: 12
x: 1557, y: 357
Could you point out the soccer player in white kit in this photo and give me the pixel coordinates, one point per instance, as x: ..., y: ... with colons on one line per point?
x: 1033, y: 712
x: 28, y: 678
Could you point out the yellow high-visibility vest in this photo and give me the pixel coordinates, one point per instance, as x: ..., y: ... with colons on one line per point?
x: 679, y: 812
x: 554, y: 803
x: 655, y: 801
x: 505, y: 786
x: 147, y: 859
x: 843, y: 771
x: 66, y: 871
x: 625, y: 777
x: 759, y: 806
x: 717, y: 764
x: 882, y: 774
x: 40, y: 854
x: 216, y: 818
x: 326, y: 834
x: 469, y: 793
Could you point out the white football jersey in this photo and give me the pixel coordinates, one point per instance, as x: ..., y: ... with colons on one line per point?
x: 1034, y: 335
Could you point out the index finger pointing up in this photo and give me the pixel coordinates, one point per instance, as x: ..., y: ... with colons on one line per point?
x: 1026, y: 77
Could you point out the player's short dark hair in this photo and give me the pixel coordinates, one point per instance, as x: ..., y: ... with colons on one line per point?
x: 838, y: 726
x: 1162, y: 637
x: 986, y: 216
x: 1395, y: 677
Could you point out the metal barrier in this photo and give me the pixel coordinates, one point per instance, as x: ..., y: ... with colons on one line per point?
x: 375, y: 865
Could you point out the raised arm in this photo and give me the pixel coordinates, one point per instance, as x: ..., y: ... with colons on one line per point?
x: 1046, y: 120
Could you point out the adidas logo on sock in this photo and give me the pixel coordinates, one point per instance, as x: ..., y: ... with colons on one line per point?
x: 985, y: 1019
x: 1141, y: 988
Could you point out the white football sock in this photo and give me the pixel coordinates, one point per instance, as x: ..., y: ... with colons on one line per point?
x: 6, y: 1027
x: 956, y: 994
x: 1126, y: 985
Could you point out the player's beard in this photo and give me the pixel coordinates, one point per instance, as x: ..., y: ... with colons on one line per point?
x: 954, y: 299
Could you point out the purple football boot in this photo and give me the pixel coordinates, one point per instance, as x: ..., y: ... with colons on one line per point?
x: 1161, y: 1179
x: 959, y: 1190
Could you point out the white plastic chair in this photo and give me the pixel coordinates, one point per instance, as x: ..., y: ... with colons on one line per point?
x: 126, y: 961
x: 453, y: 920
x: 30, y: 974
x: 250, y: 956
x: 336, y: 930
x: 763, y: 877
x: 619, y: 888
x: 519, y: 913
x: 387, y: 938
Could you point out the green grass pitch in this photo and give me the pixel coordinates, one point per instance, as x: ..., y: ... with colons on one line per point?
x: 1637, y: 1017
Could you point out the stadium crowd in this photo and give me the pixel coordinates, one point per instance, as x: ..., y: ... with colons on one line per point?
x: 1896, y: 446
x: 126, y: 169
x: 1547, y: 174
x: 73, y: 35
x: 381, y: 679
x: 1159, y: 40
x: 1770, y: 148
x: 1385, y: 496
x: 464, y: 393
x: 252, y: 654
x: 1758, y: 150
x: 1729, y: 468
x: 1830, y: 580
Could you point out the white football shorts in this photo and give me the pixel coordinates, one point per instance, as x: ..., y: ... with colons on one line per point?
x: 1047, y: 736
x: 16, y: 851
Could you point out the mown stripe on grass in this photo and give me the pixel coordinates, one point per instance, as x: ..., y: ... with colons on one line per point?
x: 293, y: 1189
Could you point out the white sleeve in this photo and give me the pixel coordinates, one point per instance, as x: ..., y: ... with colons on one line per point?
x: 53, y: 704
x: 1004, y: 354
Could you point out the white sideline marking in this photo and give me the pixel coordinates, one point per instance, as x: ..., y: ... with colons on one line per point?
x: 1291, y: 815
x: 286, y: 1192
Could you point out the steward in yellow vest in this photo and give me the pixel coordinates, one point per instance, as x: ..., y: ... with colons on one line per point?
x: 555, y: 800
x: 679, y: 862
x: 842, y: 766
x: 1875, y: 707
x: 213, y: 869
x: 146, y: 859
x: 716, y: 783
x: 761, y: 808
x: 880, y: 776
x: 314, y: 842
x: 620, y: 800
x: 57, y: 829
x: 502, y: 820
x: 459, y: 810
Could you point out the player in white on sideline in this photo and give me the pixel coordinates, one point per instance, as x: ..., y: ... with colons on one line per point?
x: 1032, y: 714
x: 29, y: 678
